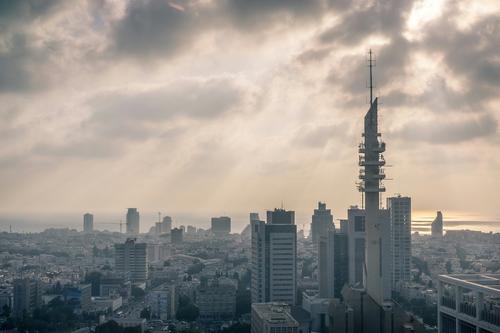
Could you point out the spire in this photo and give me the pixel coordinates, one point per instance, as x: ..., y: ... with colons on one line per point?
x: 371, y: 64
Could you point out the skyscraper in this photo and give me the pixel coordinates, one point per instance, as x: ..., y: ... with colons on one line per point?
x: 400, y: 217
x: 177, y: 236
x: 221, y: 226
x: 131, y: 260
x: 88, y: 222
x: 133, y: 224
x: 321, y: 222
x: 274, y: 258
x: 371, y: 161
x: 437, y: 225
x: 326, y: 266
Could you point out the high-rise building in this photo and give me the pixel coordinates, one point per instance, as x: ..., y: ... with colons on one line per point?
x: 437, y: 225
x: 371, y: 175
x: 321, y: 223
x: 326, y: 265
x: 356, y: 246
x: 27, y: 296
x: 88, y: 222
x: 131, y: 260
x: 274, y: 258
x: 469, y: 303
x: 400, y: 216
x: 221, y: 226
x: 176, y: 236
x: 133, y: 221
x: 166, y: 225
x: 340, y: 262
x: 273, y: 318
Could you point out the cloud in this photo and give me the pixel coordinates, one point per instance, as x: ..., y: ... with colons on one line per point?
x: 449, y: 130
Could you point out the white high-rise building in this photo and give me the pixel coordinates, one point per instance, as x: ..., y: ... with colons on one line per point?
x: 131, y: 260
x: 133, y: 221
x: 400, y: 216
x: 88, y: 222
x: 274, y: 258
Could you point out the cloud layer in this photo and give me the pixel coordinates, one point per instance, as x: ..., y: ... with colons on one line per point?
x: 235, y: 105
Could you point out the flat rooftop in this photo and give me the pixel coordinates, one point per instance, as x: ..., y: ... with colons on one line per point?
x: 275, y: 313
x: 489, y: 283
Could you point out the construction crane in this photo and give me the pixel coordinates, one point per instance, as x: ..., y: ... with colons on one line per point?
x: 120, y: 223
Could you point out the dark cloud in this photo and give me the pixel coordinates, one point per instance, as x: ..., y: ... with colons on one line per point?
x: 154, y: 28
x: 385, y: 17
x: 20, y: 11
x: 314, y: 55
x: 448, y: 131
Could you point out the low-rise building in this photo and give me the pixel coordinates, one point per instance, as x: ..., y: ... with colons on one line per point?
x: 272, y: 318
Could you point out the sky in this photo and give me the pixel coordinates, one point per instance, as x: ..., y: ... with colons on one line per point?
x: 223, y: 107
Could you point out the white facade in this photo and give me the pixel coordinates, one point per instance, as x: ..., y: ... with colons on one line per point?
x: 131, y: 260
x: 400, y: 217
x: 469, y: 303
x: 274, y: 259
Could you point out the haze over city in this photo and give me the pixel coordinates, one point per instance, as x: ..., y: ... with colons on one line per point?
x: 224, y: 107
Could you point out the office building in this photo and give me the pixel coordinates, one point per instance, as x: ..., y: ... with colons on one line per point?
x: 273, y: 318
x: 80, y: 295
x: 437, y: 225
x: 274, y: 258
x: 326, y: 266
x: 27, y: 296
x: 356, y: 249
x: 321, y: 223
x: 221, y: 226
x: 177, y: 235
x: 131, y: 260
x: 162, y: 301
x: 340, y: 263
x: 216, y: 299
x: 469, y: 303
x: 88, y: 222
x: 400, y: 219
x: 133, y: 221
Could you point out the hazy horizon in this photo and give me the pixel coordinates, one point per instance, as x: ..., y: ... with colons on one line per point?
x: 204, y: 107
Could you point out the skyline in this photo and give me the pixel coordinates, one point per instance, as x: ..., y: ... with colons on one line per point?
x: 101, y: 112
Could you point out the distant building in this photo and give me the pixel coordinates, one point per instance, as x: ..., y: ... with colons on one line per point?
x: 469, y: 303
x: 162, y: 301
x: 27, y: 296
x: 221, y: 226
x: 400, y: 217
x: 88, y: 222
x: 437, y: 225
x: 216, y: 300
x: 273, y: 318
x: 191, y: 230
x: 133, y: 221
x: 274, y: 258
x: 321, y: 223
x: 112, y: 285
x: 166, y: 225
x: 131, y: 260
x: 79, y: 296
x: 177, y: 236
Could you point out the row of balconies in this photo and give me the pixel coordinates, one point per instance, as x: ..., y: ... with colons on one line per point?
x: 379, y: 148
x: 364, y: 162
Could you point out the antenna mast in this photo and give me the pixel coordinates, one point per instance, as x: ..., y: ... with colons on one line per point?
x: 371, y: 64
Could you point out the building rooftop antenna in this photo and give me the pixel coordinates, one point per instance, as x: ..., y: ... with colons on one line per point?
x: 371, y: 64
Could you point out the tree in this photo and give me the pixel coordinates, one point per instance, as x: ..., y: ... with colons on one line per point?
x: 146, y: 313
x: 188, y: 312
x: 138, y: 292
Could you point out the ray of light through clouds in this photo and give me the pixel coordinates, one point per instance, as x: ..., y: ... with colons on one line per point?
x: 230, y: 106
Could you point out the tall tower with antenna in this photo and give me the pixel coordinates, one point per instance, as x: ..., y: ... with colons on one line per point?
x: 371, y: 175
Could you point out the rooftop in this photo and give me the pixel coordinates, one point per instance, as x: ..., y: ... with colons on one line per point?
x: 486, y: 282
x: 275, y: 313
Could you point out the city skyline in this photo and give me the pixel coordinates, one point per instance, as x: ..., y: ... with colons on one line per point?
x: 103, y: 112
